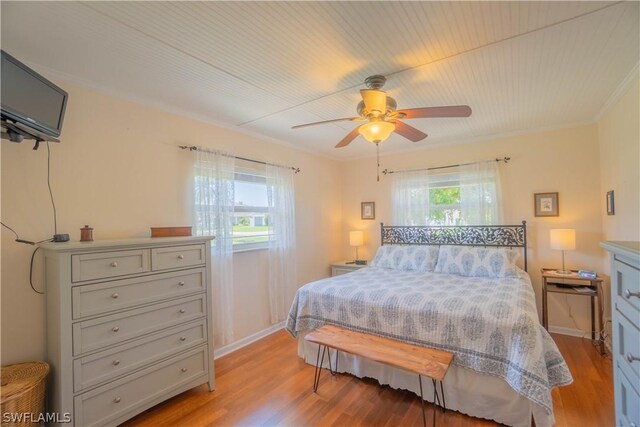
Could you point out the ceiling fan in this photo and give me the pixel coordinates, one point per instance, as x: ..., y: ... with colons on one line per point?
x: 379, y: 111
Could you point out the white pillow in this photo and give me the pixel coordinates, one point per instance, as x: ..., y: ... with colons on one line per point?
x: 477, y: 261
x: 406, y: 257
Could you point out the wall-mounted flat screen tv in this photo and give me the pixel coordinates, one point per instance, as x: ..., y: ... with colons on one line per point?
x: 31, y: 102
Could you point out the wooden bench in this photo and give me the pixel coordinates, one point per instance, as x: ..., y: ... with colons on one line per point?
x: 423, y: 361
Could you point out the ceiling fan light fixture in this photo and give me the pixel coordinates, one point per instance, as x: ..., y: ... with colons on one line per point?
x: 376, y: 131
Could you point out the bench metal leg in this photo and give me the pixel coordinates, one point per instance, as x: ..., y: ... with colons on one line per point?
x: 318, y: 371
x: 424, y: 418
x: 333, y: 372
x: 320, y: 362
x: 436, y: 396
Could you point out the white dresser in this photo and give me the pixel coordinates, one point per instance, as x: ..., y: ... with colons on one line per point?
x: 625, y: 312
x: 128, y: 324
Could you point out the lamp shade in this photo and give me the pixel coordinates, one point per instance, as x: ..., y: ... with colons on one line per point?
x: 563, y: 238
x: 376, y: 131
x: 356, y: 238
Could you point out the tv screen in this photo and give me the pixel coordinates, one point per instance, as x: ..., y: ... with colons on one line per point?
x: 29, y: 99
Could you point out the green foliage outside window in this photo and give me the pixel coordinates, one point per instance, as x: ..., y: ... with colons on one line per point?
x: 444, y: 196
x: 445, y: 205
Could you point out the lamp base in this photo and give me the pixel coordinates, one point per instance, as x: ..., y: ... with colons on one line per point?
x: 564, y: 272
x: 360, y: 262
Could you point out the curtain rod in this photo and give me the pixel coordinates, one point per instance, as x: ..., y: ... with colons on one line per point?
x: 504, y: 159
x: 194, y: 148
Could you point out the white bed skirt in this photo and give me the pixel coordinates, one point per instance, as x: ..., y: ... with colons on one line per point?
x: 466, y: 391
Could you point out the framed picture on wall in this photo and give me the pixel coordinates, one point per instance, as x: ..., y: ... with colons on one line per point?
x: 368, y: 210
x: 546, y: 204
x: 611, y: 207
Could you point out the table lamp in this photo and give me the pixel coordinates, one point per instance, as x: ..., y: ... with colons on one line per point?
x: 356, y: 238
x: 563, y: 239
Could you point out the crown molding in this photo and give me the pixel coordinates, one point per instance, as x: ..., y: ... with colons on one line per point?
x: 87, y: 84
x: 618, y: 92
x: 491, y: 137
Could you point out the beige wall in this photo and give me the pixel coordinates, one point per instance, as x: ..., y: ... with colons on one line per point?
x: 119, y: 170
x: 619, y: 149
x: 619, y: 139
x: 563, y: 161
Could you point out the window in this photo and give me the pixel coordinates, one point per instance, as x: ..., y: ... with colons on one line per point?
x: 251, y: 210
x: 445, y: 206
x: 468, y: 196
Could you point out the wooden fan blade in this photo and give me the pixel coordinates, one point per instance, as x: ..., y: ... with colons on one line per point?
x: 374, y: 100
x: 347, y: 139
x: 345, y: 119
x: 427, y: 112
x: 409, y: 132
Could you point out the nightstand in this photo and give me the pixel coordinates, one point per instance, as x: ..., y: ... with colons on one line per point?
x: 341, y: 267
x: 553, y: 282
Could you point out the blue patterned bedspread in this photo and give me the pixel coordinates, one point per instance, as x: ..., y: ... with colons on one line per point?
x: 491, y: 325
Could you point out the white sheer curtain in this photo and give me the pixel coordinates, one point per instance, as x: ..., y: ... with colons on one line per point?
x: 213, y: 205
x: 282, y: 241
x: 410, y: 198
x: 480, y: 193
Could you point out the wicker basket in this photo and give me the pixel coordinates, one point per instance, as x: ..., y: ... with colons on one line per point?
x: 22, y: 389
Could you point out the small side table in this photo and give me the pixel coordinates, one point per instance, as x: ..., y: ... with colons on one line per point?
x: 550, y: 282
x: 341, y: 267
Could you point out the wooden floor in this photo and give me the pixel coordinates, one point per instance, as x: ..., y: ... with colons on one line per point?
x: 266, y: 383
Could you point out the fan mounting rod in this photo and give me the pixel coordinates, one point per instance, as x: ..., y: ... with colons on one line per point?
x: 375, y: 82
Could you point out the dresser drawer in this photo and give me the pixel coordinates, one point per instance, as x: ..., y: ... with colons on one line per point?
x: 628, y: 346
x: 99, y: 298
x: 627, y: 401
x: 338, y: 271
x: 177, y: 256
x: 627, y: 289
x: 105, y: 404
x: 109, y: 264
x: 97, y: 333
x: 106, y: 365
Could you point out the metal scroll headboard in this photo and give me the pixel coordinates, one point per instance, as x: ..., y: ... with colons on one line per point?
x: 512, y: 236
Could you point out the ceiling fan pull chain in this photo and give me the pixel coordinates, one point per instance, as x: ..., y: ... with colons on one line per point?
x: 378, y: 159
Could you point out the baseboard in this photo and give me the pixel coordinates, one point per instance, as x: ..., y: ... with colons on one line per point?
x: 230, y: 348
x: 572, y: 332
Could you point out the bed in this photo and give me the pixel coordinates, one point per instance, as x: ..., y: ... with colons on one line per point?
x: 481, y: 307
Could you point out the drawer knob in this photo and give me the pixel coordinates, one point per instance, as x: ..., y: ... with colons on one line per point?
x: 114, y: 264
x: 184, y: 369
x: 183, y: 311
x: 183, y: 338
x: 117, y: 400
x: 115, y: 329
x: 114, y: 295
x: 628, y: 294
x: 180, y: 283
x: 116, y: 362
x: 180, y: 256
x: 631, y: 357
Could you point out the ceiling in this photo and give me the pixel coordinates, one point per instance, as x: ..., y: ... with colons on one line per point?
x: 262, y: 67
